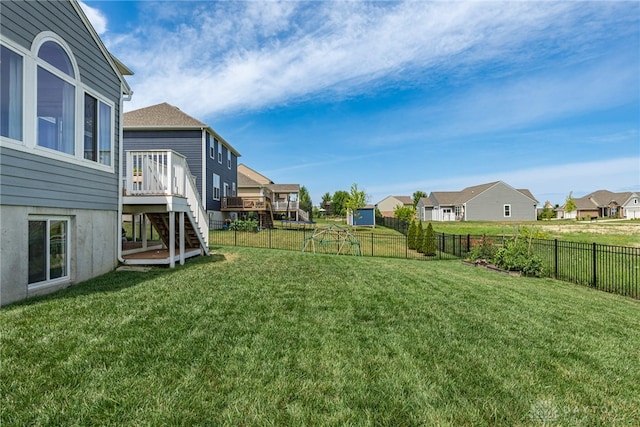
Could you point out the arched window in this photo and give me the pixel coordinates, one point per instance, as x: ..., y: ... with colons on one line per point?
x: 56, y: 98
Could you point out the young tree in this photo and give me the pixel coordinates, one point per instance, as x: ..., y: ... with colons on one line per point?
x: 429, y: 241
x: 411, y: 235
x: 357, y: 199
x: 570, y: 204
x: 404, y: 213
x: 326, y: 202
x: 305, y: 202
x: 417, y: 196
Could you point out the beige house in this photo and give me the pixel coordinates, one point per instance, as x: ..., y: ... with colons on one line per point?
x: 270, y: 201
x: 604, y: 204
x: 388, y: 205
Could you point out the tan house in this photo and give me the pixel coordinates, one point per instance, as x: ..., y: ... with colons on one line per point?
x: 604, y: 204
x: 268, y: 200
x: 388, y: 205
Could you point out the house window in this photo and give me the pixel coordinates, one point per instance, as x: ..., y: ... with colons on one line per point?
x: 228, y: 159
x: 233, y: 189
x: 56, y: 93
x: 219, y: 151
x: 212, y: 148
x: 48, y: 250
x: 216, y: 187
x: 11, y: 87
x: 97, y: 130
x: 507, y: 211
x: 226, y: 190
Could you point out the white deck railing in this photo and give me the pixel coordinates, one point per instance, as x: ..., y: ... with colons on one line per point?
x: 165, y: 173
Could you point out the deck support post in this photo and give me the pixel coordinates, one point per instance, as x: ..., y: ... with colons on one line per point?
x: 181, y: 219
x: 172, y: 239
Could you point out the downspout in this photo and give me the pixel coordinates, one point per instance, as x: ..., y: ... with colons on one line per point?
x: 123, y: 97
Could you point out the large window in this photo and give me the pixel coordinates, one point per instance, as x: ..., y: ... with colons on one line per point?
x: 48, y: 250
x: 216, y: 187
x: 97, y: 130
x: 56, y: 94
x: 46, y: 109
x: 11, y: 66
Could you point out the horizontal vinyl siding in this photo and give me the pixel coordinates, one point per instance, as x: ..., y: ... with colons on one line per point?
x: 186, y: 142
x: 226, y: 175
x: 35, y: 180
x: 30, y: 180
x: 489, y: 205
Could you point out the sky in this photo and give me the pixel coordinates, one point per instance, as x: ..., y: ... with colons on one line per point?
x: 399, y: 96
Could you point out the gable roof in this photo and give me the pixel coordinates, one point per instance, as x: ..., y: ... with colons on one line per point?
x: 161, y: 116
x: 248, y: 177
x: 453, y: 198
x: 405, y: 200
x: 601, y: 199
x: 165, y: 116
x: 252, y: 175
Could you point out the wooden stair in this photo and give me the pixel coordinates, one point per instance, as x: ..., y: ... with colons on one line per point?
x: 266, y: 217
x: 160, y: 221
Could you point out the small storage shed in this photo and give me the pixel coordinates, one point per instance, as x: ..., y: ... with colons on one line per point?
x: 364, y: 217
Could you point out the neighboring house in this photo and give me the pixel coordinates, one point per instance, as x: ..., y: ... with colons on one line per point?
x: 259, y: 194
x: 604, y: 204
x: 61, y: 96
x: 494, y: 201
x: 212, y: 160
x: 388, y: 205
x: 364, y: 217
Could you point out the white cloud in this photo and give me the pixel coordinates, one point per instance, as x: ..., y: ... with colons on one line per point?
x: 254, y: 54
x: 97, y: 18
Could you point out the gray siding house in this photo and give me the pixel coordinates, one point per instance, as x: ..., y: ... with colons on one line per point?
x: 212, y: 160
x: 494, y: 201
x: 61, y: 96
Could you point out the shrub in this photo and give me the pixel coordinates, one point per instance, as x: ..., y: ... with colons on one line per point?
x: 411, y: 235
x: 244, y: 225
x: 419, y: 237
x: 516, y: 255
x: 429, y: 241
x: 484, y: 250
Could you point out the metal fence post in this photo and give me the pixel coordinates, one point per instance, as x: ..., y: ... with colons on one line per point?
x: 593, y: 250
x: 555, y: 259
x: 372, y: 244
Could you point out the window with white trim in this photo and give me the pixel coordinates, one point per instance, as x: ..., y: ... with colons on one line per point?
x: 507, y: 211
x: 46, y: 109
x: 212, y: 148
x: 233, y: 189
x: 219, y: 151
x: 97, y: 130
x: 226, y: 190
x: 228, y: 159
x: 56, y: 98
x: 48, y: 250
x: 216, y: 187
x: 11, y: 93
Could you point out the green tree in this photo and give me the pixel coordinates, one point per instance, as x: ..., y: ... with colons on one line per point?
x: 404, y: 213
x: 419, y: 237
x: 429, y: 241
x: 338, y: 202
x: 357, y: 199
x: 417, y: 196
x: 305, y: 202
x: 570, y: 204
x: 411, y: 235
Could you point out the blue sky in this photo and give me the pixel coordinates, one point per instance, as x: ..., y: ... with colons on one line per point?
x: 398, y: 96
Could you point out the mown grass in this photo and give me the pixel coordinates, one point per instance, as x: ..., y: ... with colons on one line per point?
x: 265, y: 337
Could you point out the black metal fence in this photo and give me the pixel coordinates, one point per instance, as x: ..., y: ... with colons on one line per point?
x: 613, y: 269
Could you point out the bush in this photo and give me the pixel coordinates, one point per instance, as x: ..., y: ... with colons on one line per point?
x: 244, y: 225
x: 419, y: 237
x: 429, y: 241
x: 484, y: 250
x: 516, y: 255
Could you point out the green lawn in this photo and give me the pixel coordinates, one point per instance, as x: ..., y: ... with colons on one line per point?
x: 267, y: 337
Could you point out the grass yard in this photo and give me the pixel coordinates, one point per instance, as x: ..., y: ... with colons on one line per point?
x: 268, y: 337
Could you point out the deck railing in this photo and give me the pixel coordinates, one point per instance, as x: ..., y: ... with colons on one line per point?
x: 165, y: 173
